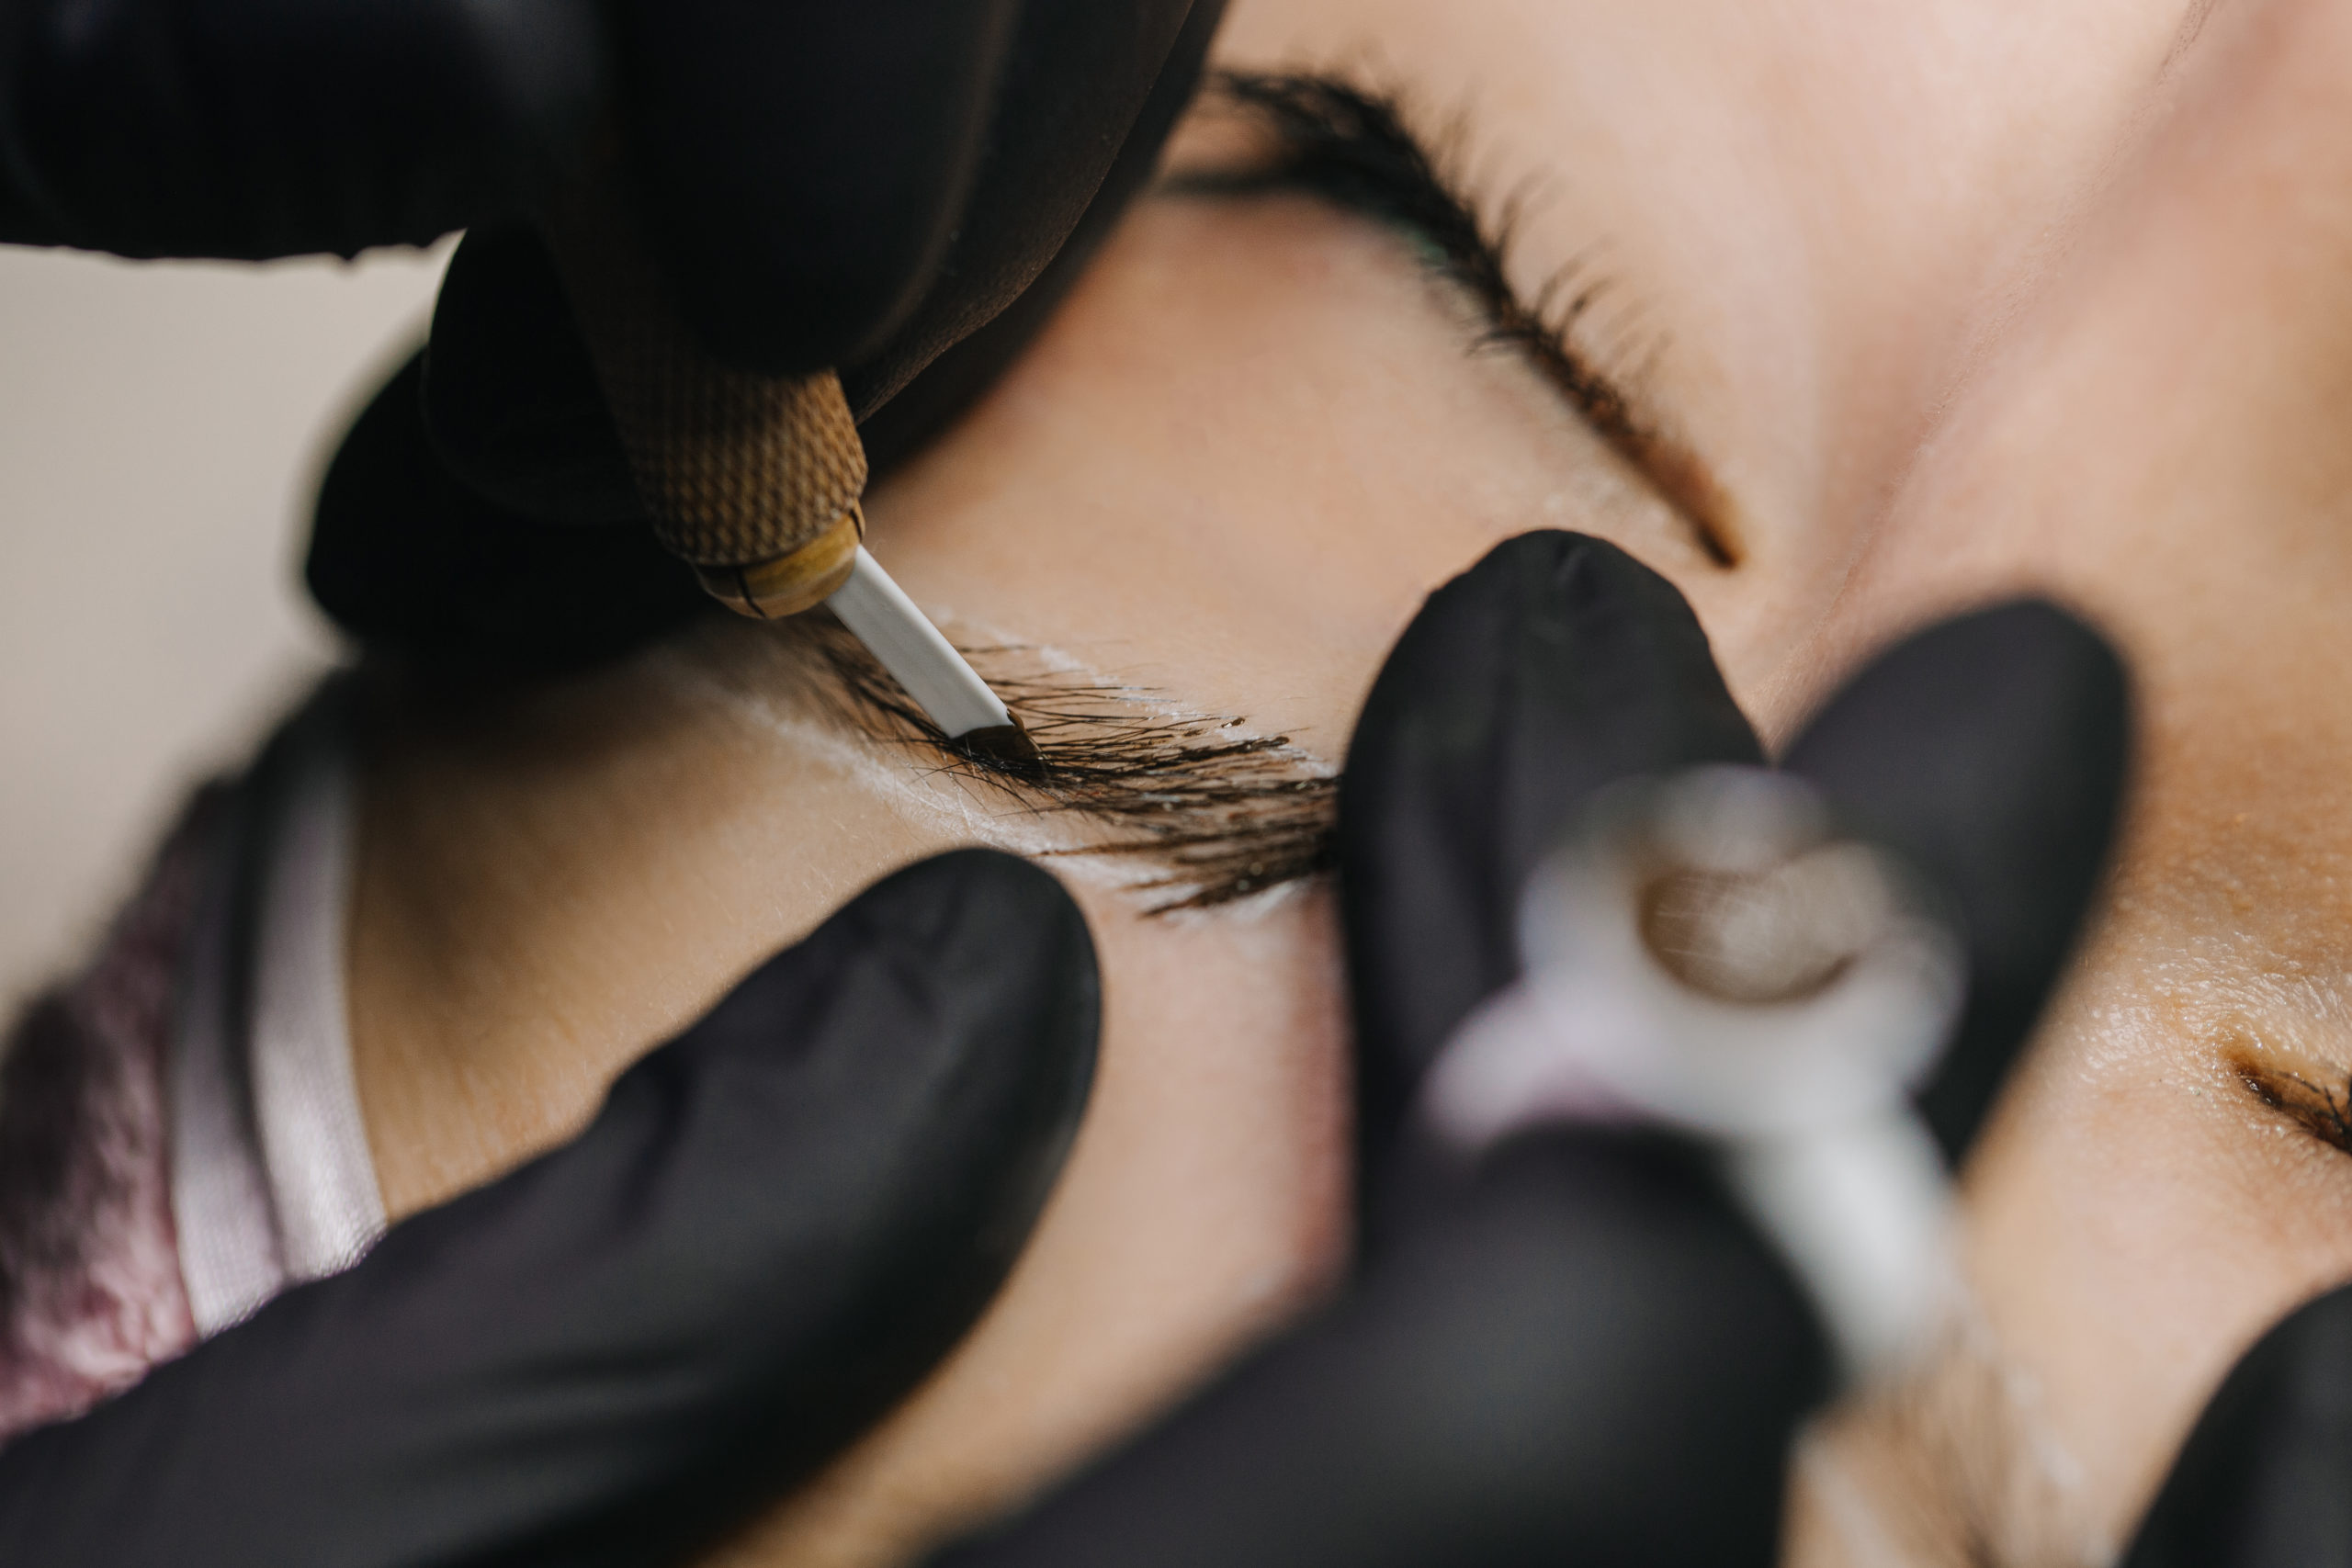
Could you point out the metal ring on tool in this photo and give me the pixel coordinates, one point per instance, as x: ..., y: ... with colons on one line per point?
x: 1709, y: 957
x: 772, y: 590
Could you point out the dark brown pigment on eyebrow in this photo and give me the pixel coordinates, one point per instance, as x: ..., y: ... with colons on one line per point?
x: 1353, y: 147
x: 1224, y: 815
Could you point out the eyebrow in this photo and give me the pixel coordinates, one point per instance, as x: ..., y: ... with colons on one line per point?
x: 1214, y: 814
x: 1354, y: 147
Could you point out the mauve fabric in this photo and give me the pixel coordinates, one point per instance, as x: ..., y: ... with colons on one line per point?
x: 90, y: 1288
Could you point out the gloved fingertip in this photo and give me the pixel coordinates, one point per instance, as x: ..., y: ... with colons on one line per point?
x: 1990, y: 751
x: 972, y: 963
x: 952, y: 895
x: 1605, y: 631
x: 510, y: 396
x: 2260, y: 1481
x: 420, y: 566
x: 991, y: 927
x: 1557, y: 666
x: 952, y: 1012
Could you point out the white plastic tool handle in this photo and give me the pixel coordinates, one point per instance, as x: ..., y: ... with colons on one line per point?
x: 902, y: 638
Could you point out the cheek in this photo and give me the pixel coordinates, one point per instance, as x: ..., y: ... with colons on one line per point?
x: 2136, y: 1220
x: 1212, y: 1192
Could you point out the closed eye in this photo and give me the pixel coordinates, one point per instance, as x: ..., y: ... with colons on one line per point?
x: 1350, y: 146
x: 2320, y: 1109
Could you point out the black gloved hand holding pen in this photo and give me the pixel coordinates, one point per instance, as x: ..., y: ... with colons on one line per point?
x: 1579, y: 1345
x: 805, y: 169
x: 870, y: 187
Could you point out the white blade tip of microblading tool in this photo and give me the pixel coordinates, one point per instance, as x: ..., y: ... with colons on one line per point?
x: 902, y: 639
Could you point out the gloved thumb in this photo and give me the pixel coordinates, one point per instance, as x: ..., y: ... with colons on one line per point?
x: 777, y: 1224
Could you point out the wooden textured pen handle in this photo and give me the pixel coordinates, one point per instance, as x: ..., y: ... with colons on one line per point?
x: 754, y: 480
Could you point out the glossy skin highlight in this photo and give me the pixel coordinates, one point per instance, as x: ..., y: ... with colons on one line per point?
x: 1951, y: 300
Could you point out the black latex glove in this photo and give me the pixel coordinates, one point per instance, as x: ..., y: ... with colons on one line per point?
x: 2265, y: 1478
x: 804, y: 169
x: 1581, y: 1351
x: 869, y: 186
x: 779, y: 1223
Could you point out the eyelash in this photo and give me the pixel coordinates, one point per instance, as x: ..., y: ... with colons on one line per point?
x: 1353, y: 147
x: 2324, y: 1113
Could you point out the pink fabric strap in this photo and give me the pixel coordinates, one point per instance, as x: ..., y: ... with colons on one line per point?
x: 90, y: 1288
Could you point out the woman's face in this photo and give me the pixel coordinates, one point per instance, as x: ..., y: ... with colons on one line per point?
x: 1908, y: 307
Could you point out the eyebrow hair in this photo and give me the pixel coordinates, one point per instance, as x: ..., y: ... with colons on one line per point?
x: 1353, y: 146
x: 1219, y: 813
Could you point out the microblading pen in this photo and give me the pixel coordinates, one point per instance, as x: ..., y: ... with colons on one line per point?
x: 756, y: 481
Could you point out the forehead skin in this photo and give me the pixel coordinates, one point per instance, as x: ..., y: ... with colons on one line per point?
x: 1952, y: 298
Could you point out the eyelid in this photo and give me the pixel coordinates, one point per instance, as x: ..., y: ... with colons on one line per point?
x: 1352, y: 146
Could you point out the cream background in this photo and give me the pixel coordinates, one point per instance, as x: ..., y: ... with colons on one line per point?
x: 162, y: 430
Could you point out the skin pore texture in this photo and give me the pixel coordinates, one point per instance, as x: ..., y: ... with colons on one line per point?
x: 1912, y: 307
